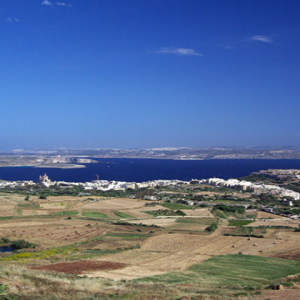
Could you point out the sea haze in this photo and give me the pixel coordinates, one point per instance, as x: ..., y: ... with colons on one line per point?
x: 139, y: 170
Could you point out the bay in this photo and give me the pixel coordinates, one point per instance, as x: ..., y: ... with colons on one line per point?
x: 138, y: 170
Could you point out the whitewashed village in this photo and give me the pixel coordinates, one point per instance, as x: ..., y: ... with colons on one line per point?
x: 287, y: 196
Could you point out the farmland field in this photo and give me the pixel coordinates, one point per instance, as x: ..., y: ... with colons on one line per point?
x: 112, y: 241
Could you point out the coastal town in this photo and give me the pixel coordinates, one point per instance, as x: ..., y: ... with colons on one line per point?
x: 286, y: 196
x: 105, y: 185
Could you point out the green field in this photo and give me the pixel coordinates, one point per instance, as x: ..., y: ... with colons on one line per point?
x: 231, y: 272
x: 239, y: 222
x: 165, y: 212
x: 248, y: 231
x: 29, y: 205
x: 6, y: 218
x: 176, y: 206
x: 122, y: 215
x: 200, y: 221
x: 94, y: 214
x: 69, y: 213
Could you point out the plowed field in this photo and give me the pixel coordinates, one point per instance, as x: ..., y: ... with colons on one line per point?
x: 50, y: 232
x: 81, y: 266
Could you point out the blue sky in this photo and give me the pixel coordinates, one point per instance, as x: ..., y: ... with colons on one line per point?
x: 149, y: 73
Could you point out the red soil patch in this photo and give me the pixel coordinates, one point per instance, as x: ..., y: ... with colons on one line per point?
x: 288, y: 294
x: 81, y: 266
x: 293, y: 255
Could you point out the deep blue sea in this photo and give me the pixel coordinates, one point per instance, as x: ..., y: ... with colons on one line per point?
x: 138, y: 170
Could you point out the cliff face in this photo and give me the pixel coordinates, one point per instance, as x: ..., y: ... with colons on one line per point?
x: 78, y: 160
x: 68, y: 160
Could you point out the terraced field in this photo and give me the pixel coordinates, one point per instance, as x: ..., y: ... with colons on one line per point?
x: 118, y: 233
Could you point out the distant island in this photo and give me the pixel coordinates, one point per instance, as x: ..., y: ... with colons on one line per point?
x: 77, y: 158
x: 44, y: 161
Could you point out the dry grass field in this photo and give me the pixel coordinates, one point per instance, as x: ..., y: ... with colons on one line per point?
x: 49, y: 232
x: 116, y: 204
x: 266, y: 215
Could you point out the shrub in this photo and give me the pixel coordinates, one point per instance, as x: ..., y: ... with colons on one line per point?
x: 230, y: 208
x: 21, y: 244
x: 297, y: 229
x: 5, y: 240
x: 211, y: 228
